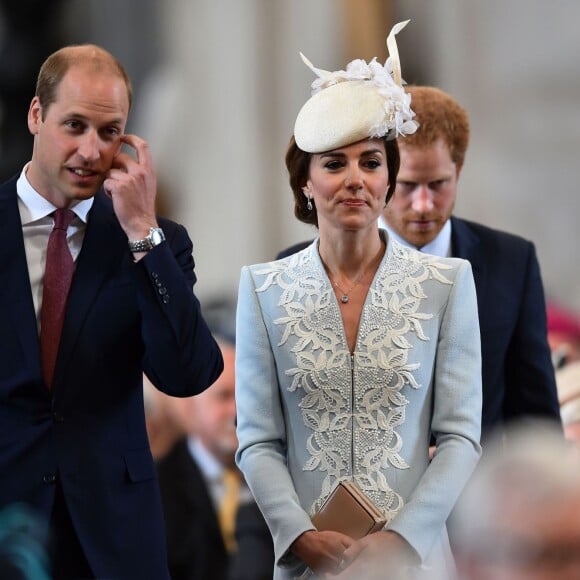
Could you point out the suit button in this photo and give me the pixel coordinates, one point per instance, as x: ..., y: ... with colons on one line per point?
x: 49, y: 478
x: 57, y: 418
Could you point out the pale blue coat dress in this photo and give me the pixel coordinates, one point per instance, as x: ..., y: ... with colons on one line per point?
x: 310, y: 413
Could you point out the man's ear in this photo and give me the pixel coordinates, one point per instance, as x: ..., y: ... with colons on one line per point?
x: 34, y: 116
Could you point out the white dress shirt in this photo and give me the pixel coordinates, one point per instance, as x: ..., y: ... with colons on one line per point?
x: 440, y: 246
x: 37, y: 223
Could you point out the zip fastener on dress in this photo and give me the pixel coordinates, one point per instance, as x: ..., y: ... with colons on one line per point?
x: 352, y: 413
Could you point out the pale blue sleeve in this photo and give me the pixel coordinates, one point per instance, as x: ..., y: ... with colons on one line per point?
x: 456, y: 420
x: 261, y: 422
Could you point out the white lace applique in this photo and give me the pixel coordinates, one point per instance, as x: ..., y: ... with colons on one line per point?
x: 353, y: 409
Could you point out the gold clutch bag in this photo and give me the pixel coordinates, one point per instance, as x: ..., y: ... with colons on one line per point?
x: 349, y: 511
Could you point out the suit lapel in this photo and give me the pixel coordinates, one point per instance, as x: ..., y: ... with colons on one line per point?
x: 15, y: 293
x: 104, y: 247
x: 466, y: 244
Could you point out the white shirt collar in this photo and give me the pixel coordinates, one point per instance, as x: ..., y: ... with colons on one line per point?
x: 440, y: 246
x: 36, y: 207
x: 209, y: 465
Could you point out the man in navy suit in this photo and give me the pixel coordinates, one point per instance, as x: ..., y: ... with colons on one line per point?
x: 517, y: 372
x: 74, y: 447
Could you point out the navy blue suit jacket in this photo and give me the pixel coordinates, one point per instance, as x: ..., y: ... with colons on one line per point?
x: 517, y: 372
x: 88, y: 432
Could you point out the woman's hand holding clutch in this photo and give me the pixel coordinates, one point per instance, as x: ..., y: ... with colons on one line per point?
x: 322, y: 551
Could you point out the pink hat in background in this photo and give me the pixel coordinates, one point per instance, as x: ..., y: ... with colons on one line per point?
x: 563, y: 321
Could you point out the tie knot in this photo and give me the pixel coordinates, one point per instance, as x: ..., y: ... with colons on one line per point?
x: 63, y: 218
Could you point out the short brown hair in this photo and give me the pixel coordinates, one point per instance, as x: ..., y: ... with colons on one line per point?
x: 58, y: 63
x: 298, y: 165
x: 439, y: 116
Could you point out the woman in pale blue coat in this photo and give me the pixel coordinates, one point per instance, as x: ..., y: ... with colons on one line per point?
x: 354, y: 352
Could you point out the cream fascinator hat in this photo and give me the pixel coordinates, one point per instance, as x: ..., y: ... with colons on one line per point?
x: 366, y: 100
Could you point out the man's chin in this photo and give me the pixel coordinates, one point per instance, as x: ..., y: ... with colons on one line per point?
x: 80, y: 193
x: 84, y: 196
x: 420, y: 236
x: 419, y: 241
x: 229, y: 445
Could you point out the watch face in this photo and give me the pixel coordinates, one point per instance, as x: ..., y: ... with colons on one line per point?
x: 156, y: 237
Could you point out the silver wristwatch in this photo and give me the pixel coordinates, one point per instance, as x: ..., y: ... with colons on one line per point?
x: 155, y: 237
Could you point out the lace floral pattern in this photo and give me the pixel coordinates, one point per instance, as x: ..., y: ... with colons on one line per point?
x: 353, y: 417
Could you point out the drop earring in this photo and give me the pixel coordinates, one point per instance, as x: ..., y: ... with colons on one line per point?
x: 309, y: 205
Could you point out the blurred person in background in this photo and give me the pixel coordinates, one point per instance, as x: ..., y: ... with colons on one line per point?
x: 23, y: 544
x: 563, y: 334
x: 568, y: 382
x: 162, y: 420
x: 214, y: 528
x: 518, y: 518
x: 564, y: 341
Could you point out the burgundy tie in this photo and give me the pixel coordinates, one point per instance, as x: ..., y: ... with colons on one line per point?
x: 57, y: 279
